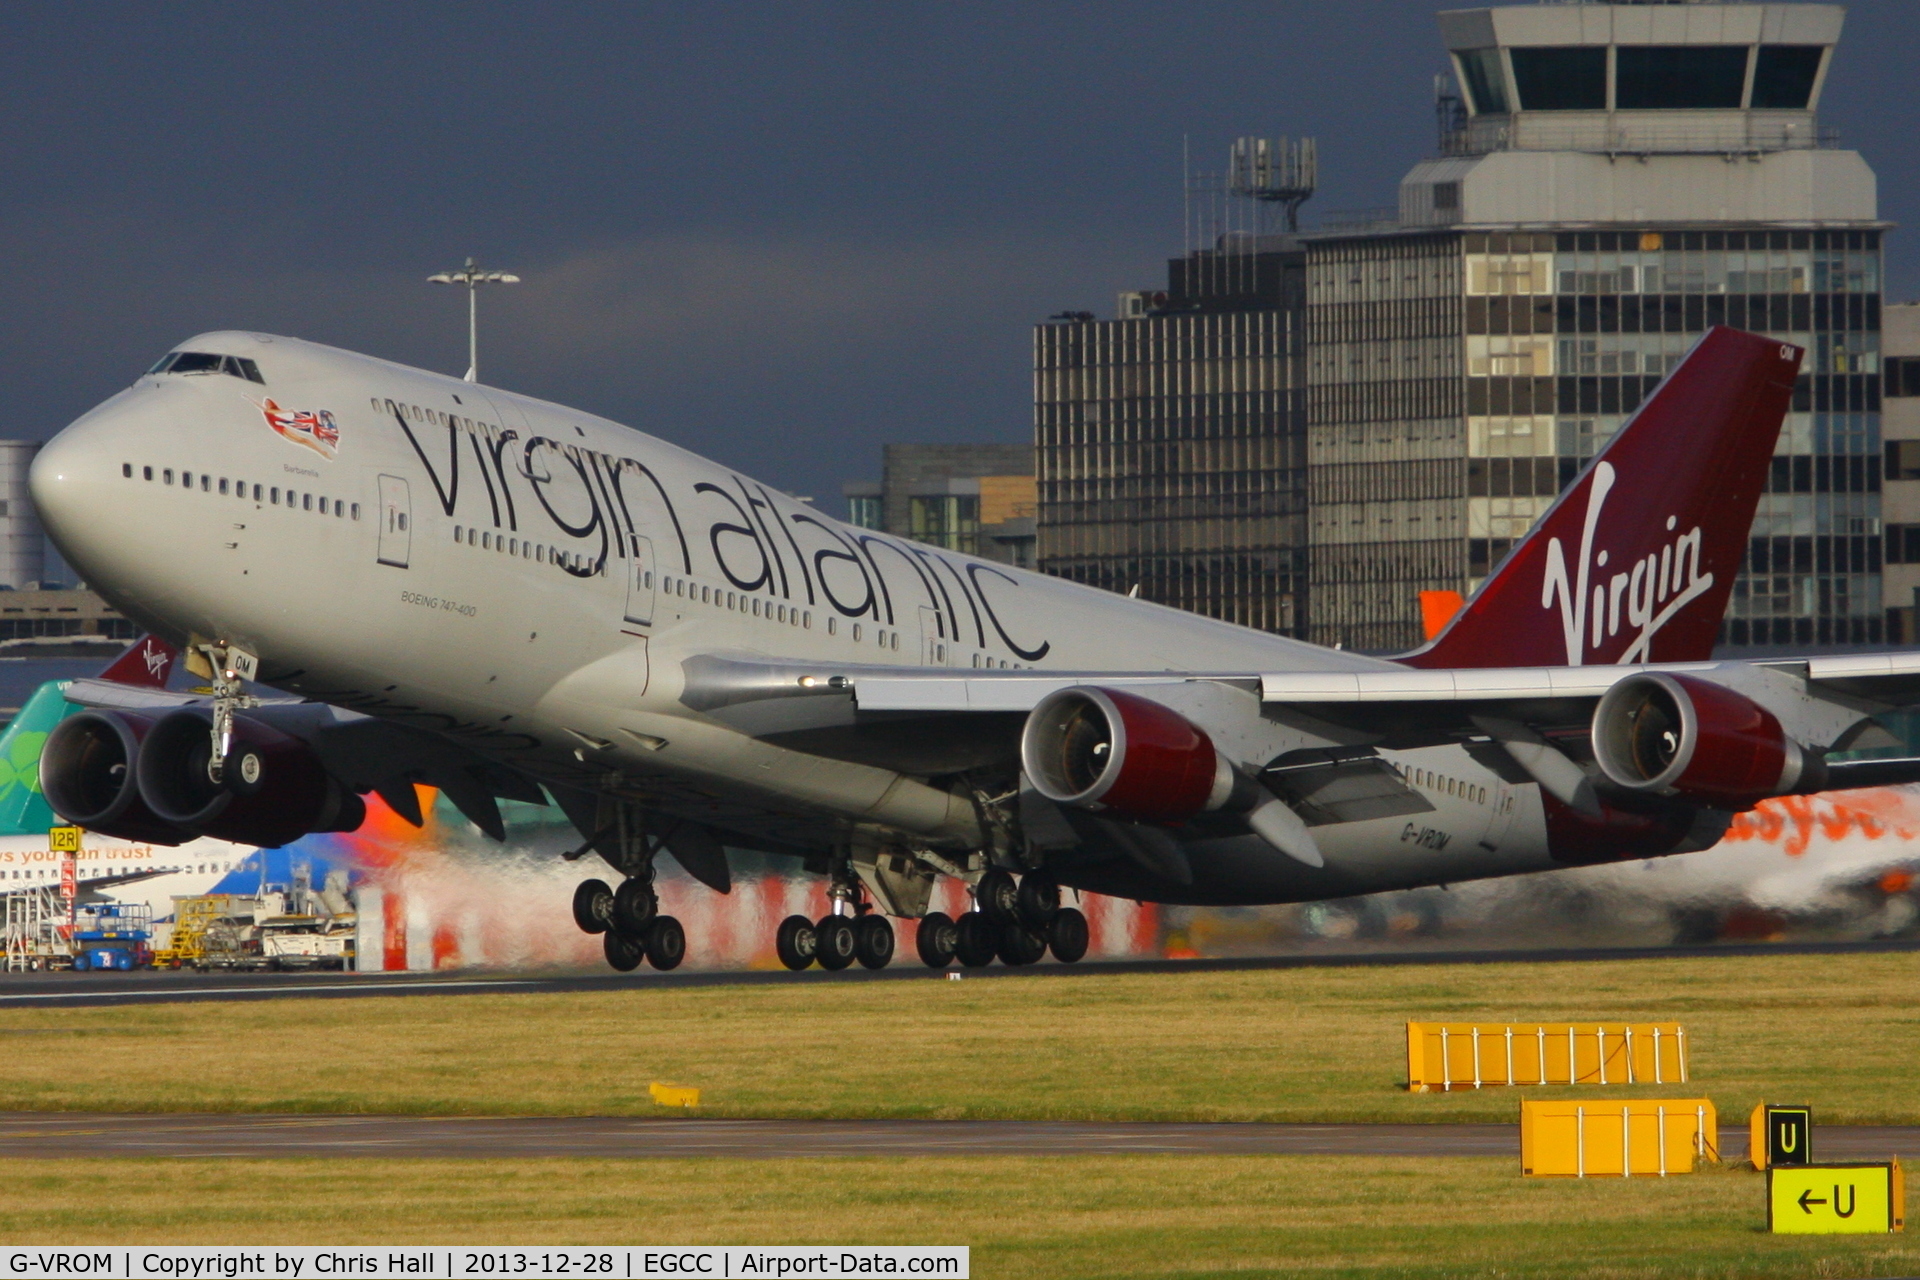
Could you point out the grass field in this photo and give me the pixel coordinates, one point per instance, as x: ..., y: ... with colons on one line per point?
x: 1839, y: 1032
x: 1035, y: 1217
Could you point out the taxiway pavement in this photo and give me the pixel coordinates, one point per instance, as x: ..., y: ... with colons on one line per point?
x: 26, y: 990
x: 62, y: 1135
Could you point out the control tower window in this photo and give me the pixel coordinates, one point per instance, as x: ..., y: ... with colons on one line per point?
x: 1486, y: 81
x: 1783, y: 77
x: 1680, y: 77
x: 1561, y: 78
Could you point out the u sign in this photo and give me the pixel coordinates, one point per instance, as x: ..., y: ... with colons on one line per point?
x: 1781, y: 1135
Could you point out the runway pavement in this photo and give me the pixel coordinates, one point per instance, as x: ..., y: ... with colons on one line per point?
x: 26, y: 990
x: 57, y: 1135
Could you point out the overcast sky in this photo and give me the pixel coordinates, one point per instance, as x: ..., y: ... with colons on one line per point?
x: 778, y: 234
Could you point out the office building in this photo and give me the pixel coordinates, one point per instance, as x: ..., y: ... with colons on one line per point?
x: 1170, y: 442
x: 1611, y: 180
x: 1900, y: 471
x: 973, y: 498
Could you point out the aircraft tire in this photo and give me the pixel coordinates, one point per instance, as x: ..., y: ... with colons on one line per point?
x: 592, y: 906
x: 666, y: 943
x: 1038, y: 901
x: 1067, y: 935
x: 623, y: 952
x: 934, y: 939
x: 1020, y: 945
x: 999, y: 897
x: 975, y: 940
x: 834, y: 944
x: 795, y: 942
x: 244, y: 771
x: 634, y: 906
x: 873, y: 941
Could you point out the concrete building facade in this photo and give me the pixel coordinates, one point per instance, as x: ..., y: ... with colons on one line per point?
x: 1618, y: 179
x: 979, y: 499
x: 1170, y: 442
x: 23, y: 544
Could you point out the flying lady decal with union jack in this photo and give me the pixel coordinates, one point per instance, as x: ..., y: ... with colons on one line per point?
x: 314, y: 428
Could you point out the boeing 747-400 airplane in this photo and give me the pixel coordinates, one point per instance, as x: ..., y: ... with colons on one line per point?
x: 502, y: 597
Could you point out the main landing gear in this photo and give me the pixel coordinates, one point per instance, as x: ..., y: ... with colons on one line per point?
x: 630, y: 924
x: 1017, y: 921
x: 851, y: 930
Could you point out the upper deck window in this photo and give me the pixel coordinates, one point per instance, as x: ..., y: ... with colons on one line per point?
x: 207, y: 362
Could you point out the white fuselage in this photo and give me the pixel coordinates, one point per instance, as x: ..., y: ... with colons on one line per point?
x: 531, y: 580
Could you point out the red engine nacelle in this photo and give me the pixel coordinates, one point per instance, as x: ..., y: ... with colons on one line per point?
x: 87, y: 776
x: 1680, y: 735
x: 1104, y: 749
x: 272, y: 788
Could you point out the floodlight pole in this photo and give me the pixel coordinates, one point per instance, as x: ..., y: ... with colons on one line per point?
x: 473, y: 277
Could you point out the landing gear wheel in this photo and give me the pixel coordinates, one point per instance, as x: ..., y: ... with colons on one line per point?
x: 975, y: 940
x: 873, y: 941
x: 999, y: 897
x: 666, y: 943
x: 623, y: 953
x: 833, y: 942
x: 1020, y: 945
x: 634, y: 906
x: 1067, y: 935
x: 244, y: 772
x: 593, y: 906
x: 795, y: 942
x: 935, y: 939
x: 1038, y: 900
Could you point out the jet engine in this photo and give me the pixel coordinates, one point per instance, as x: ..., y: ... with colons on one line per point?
x: 87, y: 775
x: 1680, y: 735
x: 272, y: 788
x: 1104, y: 749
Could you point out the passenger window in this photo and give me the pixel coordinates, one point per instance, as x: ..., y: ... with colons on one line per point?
x: 276, y: 495
x: 223, y: 486
x: 356, y: 511
x: 167, y: 475
x: 146, y: 473
x: 456, y: 533
x: 256, y: 493
x: 306, y: 501
x: 486, y: 541
x: 403, y: 522
x: 206, y: 483
x: 126, y: 469
x: 339, y: 508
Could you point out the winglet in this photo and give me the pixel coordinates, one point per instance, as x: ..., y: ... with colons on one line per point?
x: 146, y: 665
x: 1635, y: 561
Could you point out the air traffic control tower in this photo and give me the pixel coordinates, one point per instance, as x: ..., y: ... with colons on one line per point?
x: 1612, y: 179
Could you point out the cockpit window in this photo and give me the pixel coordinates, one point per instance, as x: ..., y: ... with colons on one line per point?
x: 206, y: 362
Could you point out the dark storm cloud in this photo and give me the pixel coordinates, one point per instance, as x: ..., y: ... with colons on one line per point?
x: 777, y: 234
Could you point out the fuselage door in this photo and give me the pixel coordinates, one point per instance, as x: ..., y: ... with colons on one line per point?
x: 395, y: 515
x: 640, y: 585
x: 933, y: 645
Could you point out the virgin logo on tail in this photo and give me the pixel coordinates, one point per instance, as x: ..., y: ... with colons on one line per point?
x: 1641, y: 598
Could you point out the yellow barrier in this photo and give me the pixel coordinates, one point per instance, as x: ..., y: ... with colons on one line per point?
x: 673, y: 1095
x: 1466, y: 1055
x: 1604, y: 1138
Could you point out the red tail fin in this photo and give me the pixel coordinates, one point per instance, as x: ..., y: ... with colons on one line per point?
x: 1635, y: 561
x: 147, y: 663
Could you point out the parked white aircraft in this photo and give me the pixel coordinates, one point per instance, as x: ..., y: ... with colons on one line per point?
x: 493, y: 594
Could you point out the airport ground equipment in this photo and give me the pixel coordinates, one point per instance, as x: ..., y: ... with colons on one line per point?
x: 1472, y: 1055
x: 34, y: 930
x: 1780, y: 1135
x: 1608, y: 1137
x: 112, y: 936
x: 1836, y: 1199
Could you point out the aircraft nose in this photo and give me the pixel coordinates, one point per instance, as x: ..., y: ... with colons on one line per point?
x: 72, y: 477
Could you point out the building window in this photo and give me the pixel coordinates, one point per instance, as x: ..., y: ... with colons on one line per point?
x: 1903, y: 375
x: 1561, y: 78
x: 1784, y: 75
x: 1680, y: 77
